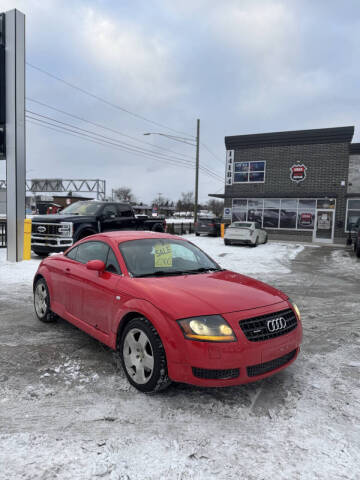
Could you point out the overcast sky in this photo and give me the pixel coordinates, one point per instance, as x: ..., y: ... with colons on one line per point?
x: 241, y: 66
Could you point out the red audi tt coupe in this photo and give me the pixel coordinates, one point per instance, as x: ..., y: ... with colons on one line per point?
x: 171, y: 312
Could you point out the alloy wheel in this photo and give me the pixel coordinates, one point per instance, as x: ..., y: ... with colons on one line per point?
x: 41, y: 300
x: 138, y: 356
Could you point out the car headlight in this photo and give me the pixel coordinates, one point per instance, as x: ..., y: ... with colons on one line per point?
x: 208, y: 328
x: 65, y: 229
x: 296, y: 308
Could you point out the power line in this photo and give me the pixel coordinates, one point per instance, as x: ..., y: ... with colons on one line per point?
x: 213, y: 154
x: 134, y: 151
x: 103, y: 100
x: 104, y: 127
x: 128, y: 146
x: 125, y: 144
x: 113, y: 130
x: 75, y: 134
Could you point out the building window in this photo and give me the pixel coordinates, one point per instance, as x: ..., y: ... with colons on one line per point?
x: 288, y: 213
x: 277, y: 213
x: 352, y: 212
x: 249, y: 172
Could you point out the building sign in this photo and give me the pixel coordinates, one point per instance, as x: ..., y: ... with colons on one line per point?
x: 229, y: 171
x: 227, y: 212
x: 298, y: 173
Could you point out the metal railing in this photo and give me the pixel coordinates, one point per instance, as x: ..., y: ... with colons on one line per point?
x: 3, y: 233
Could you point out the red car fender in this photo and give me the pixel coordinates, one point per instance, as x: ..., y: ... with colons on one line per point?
x: 169, y: 332
x: 43, y: 270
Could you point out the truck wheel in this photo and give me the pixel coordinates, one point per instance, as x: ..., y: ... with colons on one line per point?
x: 84, y: 234
x: 158, y: 228
x: 40, y: 254
x: 143, y: 356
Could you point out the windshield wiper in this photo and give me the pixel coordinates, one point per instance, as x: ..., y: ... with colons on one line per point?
x: 164, y: 273
x: 203, y: 269
x: 160, y: 273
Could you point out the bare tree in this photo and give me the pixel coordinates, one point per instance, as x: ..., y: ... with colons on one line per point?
x: 160, y: 201
x: 124, y: 194
x: 216, y: 207
x: 186, y: 202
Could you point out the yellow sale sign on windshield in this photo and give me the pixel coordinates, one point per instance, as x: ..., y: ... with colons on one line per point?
x: 163, y: 256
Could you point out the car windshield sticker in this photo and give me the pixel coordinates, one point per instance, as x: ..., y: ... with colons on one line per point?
x: 163, y: 256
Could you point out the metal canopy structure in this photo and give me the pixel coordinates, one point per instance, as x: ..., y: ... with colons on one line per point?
x: 57, y: 185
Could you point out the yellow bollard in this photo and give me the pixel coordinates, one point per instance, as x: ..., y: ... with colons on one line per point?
x: 222, y: 226
x: 27, y: 239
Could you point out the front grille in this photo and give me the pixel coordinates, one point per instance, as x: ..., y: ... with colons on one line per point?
x: 267, y: 367
x: 256, y: 329
x: 215, y: 374
x: 50, y: 228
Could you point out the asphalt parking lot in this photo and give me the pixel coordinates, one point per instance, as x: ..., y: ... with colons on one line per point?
x: 67, y: 411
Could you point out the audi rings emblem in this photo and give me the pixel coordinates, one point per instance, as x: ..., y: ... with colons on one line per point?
x: 276, y: 324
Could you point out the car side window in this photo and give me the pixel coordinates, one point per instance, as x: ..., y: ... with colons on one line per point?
x: 110, y: 211
x: 92, y: 251
x: 124, y: 211
x: 257, y: 225
x: 73, y: 253
x: 112, y: 264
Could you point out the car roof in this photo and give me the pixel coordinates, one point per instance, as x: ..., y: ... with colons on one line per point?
x: 126, y: 235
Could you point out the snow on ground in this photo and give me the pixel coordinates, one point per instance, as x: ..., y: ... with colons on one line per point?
x: 179, y: 220
x: 17, y: 273
x: 248, y: 260
x: 68, y: 413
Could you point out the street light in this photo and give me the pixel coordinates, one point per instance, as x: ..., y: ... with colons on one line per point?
x: 188, y: 141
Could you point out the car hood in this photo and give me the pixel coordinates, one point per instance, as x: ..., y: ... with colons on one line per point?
x: 62, y: 218
x: 206, y: 294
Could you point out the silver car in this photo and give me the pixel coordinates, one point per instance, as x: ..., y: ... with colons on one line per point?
x: 245, y: 233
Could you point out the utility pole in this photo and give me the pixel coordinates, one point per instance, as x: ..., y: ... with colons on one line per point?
x: 197, y: 170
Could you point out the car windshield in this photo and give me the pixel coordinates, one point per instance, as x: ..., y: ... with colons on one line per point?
x: 241, y: 225
x: 164, y: 257
x: 81, y: 208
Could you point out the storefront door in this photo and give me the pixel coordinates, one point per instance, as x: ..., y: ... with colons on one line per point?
x: 324, y: 226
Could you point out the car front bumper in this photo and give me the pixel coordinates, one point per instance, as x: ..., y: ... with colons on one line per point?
x: 49, y: 243
x: 211, y: 364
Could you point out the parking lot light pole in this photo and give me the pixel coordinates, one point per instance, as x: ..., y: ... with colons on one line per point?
x: 188, y: 141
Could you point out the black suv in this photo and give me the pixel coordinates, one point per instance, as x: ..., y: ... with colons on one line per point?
x: 208, y: 225
x: 56, y: 233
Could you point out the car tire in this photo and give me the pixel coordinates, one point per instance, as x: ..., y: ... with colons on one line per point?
x: 42, y: 302
x: 158, y: 228
x: 197, y: 234
x: 227, y: 242
x: 143, y: 356
x: 256, y: 243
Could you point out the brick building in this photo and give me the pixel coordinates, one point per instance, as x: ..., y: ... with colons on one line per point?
x: 301, y: 184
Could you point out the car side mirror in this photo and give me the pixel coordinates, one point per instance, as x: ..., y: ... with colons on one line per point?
x: 96, y: 265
